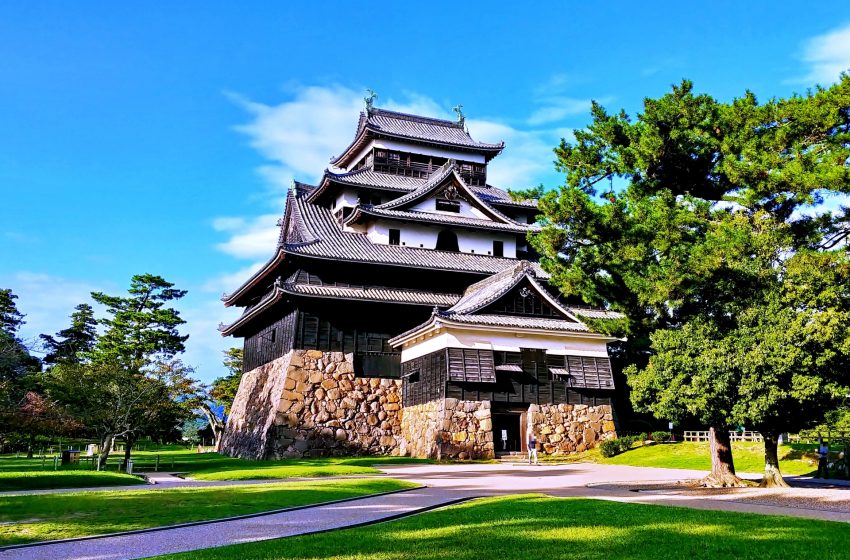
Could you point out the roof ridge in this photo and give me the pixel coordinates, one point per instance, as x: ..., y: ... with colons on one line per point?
x: 415, y: 118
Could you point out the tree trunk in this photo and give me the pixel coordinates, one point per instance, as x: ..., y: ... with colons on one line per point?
x: 31, y: 446
x: 105, y: 449
x: 772, y: 476
x: 216, y: 424
x: 722, y: 466
x: 130, y: 439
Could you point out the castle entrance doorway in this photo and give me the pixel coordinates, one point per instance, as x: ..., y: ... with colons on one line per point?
x: 507, y: 435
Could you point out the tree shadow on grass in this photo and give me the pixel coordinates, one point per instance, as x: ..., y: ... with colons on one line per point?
x: 523, y: 527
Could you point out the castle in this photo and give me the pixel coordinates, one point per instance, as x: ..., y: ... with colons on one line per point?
x: 403, y: 313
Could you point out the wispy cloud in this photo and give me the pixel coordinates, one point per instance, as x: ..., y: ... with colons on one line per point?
x: 250, y: 238
x: 46, y: 300
x: 557, y: 108
x: 826, y: 56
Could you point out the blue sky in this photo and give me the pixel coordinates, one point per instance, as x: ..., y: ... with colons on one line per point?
x: 140, y: 140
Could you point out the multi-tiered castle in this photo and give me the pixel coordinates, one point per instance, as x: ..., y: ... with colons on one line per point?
x: 402, y: 312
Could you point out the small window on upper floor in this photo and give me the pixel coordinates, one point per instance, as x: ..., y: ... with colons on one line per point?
x: 395, y: 237
x: 498, y: 248
x: 448, y: 205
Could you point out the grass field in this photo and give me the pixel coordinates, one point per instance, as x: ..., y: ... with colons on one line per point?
x: 531, y: 526
x: 794, y: 459
x: 42, y: 480
x: 73, y: 514
x: 19, y: 473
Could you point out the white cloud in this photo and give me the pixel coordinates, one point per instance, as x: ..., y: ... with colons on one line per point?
x: 558, y: 108
x: 205, y: 344
x: 250, y: 238
x: 226, y: 283
x: 46, y: 301
x: 827, y: 56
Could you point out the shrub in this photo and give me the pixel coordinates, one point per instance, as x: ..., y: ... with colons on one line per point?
x: 643, y: 436
x: 660, y: 437
x: 611, y: 447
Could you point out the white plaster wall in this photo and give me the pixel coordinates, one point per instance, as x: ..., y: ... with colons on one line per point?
x: 425, y: 237
x: 429, y: 205
x: 346, y: 197
x: 560, y: 344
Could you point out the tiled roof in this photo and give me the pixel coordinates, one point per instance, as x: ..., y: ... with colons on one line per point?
x: 401, y: 183
x: 434, y: 218
x: 517, y: 321
x: 595, y: 313
x: 368, y: 178
x: 374, y: 293
x: 438, y: 179
x: 495, y: 195
x: 366, y: 293
x: 325, y: 239
x: 424, y: 128
x: 380, y: 122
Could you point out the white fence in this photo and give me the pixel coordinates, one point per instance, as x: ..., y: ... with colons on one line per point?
x: 734, y: 436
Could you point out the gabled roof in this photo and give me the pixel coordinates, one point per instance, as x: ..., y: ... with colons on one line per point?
x: 375, y: 180
x: 311, y: 230
x: 448, y: 172
x: 478, y: 296
x: 425, y: 130
x: 487, y: 291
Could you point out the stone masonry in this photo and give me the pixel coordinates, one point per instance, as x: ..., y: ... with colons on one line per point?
x: 309, y: 403
x: 448, y: 429
x: 567, y: 428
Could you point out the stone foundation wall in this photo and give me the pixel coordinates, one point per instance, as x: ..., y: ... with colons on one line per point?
x: 309, y: 403
x: 567, y: 428
x: 448, y: 429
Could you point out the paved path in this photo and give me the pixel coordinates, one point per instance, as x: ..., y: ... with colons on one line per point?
x: 445, y: 483
x: 166, y: 541
x: 588, y: 480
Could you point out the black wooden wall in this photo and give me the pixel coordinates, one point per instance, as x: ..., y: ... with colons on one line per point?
x: 270, y: 342
x: 521, y: 378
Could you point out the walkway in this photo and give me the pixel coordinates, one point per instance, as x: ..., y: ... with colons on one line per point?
x: 445, y: 484
x: 258, y: 528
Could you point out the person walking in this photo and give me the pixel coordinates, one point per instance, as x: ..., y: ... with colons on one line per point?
x: 532, y: 448
x: 823, y: 457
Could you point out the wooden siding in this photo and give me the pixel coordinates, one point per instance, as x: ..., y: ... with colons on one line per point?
x: 524, y: 378
x: 468, y: 365
x: 373, y: 356
x: 424, y: 378
x: 270, y: 342
x: 583, y: 372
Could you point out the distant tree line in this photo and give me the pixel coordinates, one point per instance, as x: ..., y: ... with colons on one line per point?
x: 108, y: 377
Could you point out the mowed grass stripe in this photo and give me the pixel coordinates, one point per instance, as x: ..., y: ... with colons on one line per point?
x: 75, y: 514
x: 534, y: 526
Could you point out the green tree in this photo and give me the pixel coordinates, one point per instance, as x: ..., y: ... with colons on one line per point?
x: 224, y: 389
x: 71, y: 345
x: 16, y: 363
x: 679, y: 219
x: 140, y: 329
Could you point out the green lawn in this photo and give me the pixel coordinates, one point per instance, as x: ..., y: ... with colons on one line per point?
x: 532, y: 526
x: 749, y: 457
x: 203, y: 466
x: 73, y: 514
x: 41, y: 480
